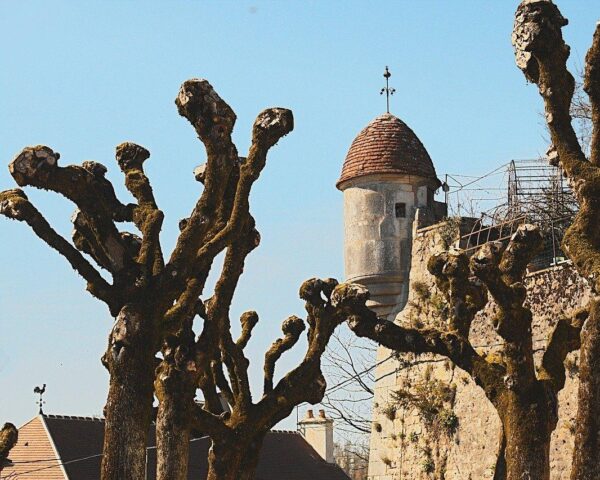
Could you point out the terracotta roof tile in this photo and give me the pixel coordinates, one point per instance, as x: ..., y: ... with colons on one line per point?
x: 386, y: 145
x: 78, y: 441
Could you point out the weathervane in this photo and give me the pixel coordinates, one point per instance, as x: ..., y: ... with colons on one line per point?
x: 387, y: 90
x: 40, y: 402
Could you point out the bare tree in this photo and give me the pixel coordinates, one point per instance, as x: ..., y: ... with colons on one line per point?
x: 155, y: 301
x: 149, y: 298
x: 350, y: 363
x: 541, y: 54
x: 526, y: 400
x: 190, y: 362
x: 352, y: 459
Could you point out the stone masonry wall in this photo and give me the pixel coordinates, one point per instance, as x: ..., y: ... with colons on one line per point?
x: 463, y: 443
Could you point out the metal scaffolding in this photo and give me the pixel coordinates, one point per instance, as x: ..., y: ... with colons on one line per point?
x: 536, y: 192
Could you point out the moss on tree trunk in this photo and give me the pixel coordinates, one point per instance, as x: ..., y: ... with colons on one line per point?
x: 528, y: 420
x: 587, y: 434
x: 239, y: 463
x: 130, y: 361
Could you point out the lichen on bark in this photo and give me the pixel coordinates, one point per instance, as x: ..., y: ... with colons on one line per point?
x: 541, y: 53
x: 9, y: 435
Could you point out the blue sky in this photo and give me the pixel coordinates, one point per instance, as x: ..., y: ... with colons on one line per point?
x: 82, y: 77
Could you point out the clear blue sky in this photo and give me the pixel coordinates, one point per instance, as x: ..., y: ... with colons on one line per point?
x: 82, y: 77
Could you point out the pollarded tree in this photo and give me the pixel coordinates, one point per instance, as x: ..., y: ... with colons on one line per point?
x: 149, y: 297
x: 155, y: 302
x: 190, y: 363
x: 541, y: 53
x: 525, y: 399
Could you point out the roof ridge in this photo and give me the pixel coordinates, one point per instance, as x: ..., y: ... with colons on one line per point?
x: 73, y: 417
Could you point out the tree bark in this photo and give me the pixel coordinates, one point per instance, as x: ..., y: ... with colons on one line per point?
x: 500, y: 467
x: 9, y: 435
x: 528, y: 424
x: 130, y: 361
x: 542, y: 54
x: 172, y: 441
x: 173, y: 422
x: 587, y: 435
x: 239, y: 463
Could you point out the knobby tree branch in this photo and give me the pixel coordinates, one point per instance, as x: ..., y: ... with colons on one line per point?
x: 15, y: 205
x: 155, y: 302
x: 542, y: 54
x: 525, y: 400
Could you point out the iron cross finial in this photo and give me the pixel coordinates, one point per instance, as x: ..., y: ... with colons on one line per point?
x: 387, y: 89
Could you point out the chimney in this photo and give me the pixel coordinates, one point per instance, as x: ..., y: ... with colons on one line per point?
x: 318, y: 432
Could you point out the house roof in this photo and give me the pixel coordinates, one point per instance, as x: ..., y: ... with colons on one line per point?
x: 76, y: 438
x: 34, y: 456
x: 386, y: 146
x: 78, y: 445
x: 284, y: 455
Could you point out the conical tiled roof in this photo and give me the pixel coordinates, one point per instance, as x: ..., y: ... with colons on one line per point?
x: 387, y: 146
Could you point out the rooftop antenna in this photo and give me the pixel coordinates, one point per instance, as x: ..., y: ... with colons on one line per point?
x: 40, y: 402
x: 387, y: 89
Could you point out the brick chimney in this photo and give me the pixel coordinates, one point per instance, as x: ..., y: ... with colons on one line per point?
x: 318, y: 432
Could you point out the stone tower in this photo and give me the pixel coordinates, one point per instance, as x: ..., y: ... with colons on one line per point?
x: 388, y: 180
x: 392, y: 227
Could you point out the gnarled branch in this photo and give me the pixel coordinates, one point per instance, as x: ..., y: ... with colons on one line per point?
x: 464, y: 295
x: 87, y: 188
x: 305, y: 383
x: 541, y: 54
x: 591, y: 86
x: 213, y: 119
x: 292, y: 327
x: 248, y: 321
x: 364, y: 323
x: 15, y: 205
x: 502, y: 270
x: 146, y: 215
x: 209, y: 423
x: 564, y: 339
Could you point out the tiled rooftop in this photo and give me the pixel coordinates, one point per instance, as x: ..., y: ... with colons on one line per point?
x: 59, y: 447
x: 386, y: 146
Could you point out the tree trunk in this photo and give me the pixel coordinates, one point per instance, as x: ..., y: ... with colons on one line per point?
x: 237, y: 463
x: 500, y: 467
x: 9, y: 435
x: 586, y: 456
x: 129, y: 359
x: 528, y: 422
x: 173, y: 423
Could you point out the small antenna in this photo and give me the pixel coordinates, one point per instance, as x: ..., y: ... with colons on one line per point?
x: 387, y: 89
x: 40, y: 402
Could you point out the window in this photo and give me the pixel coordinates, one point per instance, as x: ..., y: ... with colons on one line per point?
x: 401, y: 210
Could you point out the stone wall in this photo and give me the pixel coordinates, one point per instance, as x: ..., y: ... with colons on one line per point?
x: 464, y: 443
